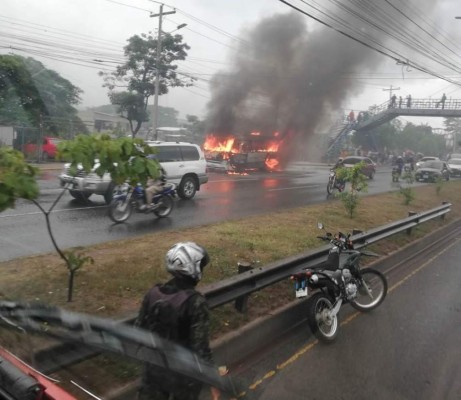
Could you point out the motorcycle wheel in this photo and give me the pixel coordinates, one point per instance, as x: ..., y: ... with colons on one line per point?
x: 371, y: 291
x: 165, y: 206
x: 119, y: 210
x: 323, y: 326
x: 330, y: 186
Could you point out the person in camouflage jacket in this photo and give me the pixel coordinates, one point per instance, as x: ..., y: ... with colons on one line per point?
x: 185, y: 261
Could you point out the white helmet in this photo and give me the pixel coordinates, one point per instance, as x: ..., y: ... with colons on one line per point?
x: 187, y: 259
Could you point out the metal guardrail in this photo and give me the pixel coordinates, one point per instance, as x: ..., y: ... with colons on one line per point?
x: 231, y: 289
x: 246, y: 283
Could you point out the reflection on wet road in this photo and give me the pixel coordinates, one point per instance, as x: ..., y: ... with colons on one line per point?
x: 224, y: 197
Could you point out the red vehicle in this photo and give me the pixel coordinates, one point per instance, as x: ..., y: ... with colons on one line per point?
x: 48, y: 149
x: 20, y: 381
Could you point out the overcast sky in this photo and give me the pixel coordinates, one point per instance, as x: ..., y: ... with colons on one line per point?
x: 215, y: 30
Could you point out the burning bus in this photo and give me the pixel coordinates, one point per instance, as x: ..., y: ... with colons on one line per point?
x: 244, y: 152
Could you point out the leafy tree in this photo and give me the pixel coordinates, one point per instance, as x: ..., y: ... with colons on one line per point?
x: 17, y: 178
x: 32, y: 95
x: 123, y: 158
x: 453, y: 126
x: 138, y: 74
x: 350, y: 198
x: 195, y: 126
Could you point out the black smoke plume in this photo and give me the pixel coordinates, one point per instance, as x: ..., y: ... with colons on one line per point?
x: 288, y: 79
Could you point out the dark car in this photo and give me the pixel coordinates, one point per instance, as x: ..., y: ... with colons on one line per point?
x: 433, y: 170
x: 368, y: 169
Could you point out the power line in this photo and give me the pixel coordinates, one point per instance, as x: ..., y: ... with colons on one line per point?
x: 401, y: 60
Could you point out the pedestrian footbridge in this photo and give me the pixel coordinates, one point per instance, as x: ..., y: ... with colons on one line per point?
x: 389, y: 110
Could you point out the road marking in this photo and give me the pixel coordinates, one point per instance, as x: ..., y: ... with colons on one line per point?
x: 424, y: 265
x: 295, y: 187
x: 54, y: 211
x: 310, y: 346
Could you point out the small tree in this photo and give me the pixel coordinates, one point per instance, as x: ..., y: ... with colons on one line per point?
x: 407, y: 191
x: 123, y: 158
x: 138, y: 75
x: 350, y: 198
x: 439, y: 185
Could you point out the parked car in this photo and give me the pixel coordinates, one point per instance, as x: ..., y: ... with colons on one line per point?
x: 424, y: 159
x: 454, y: 155
x: 49, y: 148
x: 432, y: 170
x: 368, y: 169
x: 184, y: 164
x: 454, y: 165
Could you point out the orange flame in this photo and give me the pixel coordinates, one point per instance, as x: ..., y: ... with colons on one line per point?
x: 213, y: 143
x: 272, y: 163
x: 223, y: 147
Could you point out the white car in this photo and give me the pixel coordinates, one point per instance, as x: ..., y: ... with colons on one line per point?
x: 424, y: 159
x: 454, y: 165
x: 184, y: 164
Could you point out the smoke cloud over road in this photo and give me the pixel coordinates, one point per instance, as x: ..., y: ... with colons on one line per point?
x: 288, y: 79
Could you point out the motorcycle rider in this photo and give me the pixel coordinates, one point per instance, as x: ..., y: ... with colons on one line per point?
x: 340, y: 183
x: 399, y: 163
x: 154, y: 186
x: 185, y: 261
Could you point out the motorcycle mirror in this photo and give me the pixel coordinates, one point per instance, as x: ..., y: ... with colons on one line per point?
x: 319, y: 225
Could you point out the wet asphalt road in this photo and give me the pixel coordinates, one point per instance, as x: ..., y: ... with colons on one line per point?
x: 23, y: 229
x: 408, y: 348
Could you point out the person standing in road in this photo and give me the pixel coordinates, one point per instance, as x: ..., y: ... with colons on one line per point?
x: 400, y: 101
x: 186, y: 322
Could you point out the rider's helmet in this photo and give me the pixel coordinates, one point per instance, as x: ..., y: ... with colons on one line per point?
x: 187, y: 259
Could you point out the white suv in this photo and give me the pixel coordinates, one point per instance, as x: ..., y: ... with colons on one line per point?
x: 184, y: 164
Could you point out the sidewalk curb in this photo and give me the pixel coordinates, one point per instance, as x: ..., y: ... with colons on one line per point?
x: 251, y: 338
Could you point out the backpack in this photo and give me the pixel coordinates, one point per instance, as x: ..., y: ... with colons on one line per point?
x: 163, y: 314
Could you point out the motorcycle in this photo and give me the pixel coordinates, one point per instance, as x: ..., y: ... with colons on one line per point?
x: 337, y: 281
x: 128, y: 198
x: 334, y: 184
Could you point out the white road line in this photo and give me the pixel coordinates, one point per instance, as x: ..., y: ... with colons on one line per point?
x: 294, y: 187
x: 54, y: 211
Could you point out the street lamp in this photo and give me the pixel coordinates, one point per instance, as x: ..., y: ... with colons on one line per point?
x: 177, y: 28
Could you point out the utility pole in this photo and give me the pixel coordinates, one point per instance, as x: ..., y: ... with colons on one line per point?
x: 390, y: 91
x: 157, y: 67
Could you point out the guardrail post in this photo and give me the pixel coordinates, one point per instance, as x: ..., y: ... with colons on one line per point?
x: 410, y: 214
x: 241, y: 303
x: 443, y: 215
